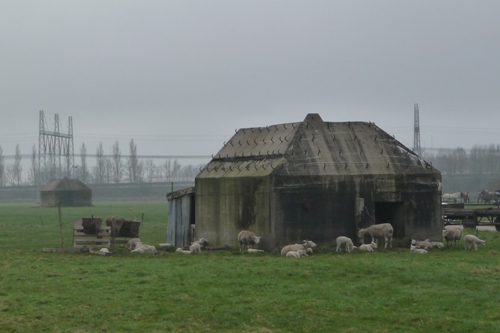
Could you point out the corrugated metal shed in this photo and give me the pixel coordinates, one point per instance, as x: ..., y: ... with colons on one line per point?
x: 181, y: 217
x: 309, y: 179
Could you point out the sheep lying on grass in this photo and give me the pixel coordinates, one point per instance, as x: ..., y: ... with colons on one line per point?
x: 296, y: 254
x: 294, y: 247
x: 182, y: 251
x: 247, y: 238
x: 376, y: 231
x: 368, y: 247
x: 346, y: 242
x: 425, y: 244
x: 143, y: 248
x: 471, y: 239
x: 437, y: 245
x: 132, y: 243
x: 452, y: 234
x: 254, y: 250
x: 413, y: 249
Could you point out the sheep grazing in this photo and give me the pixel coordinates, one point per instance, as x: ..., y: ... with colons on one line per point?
x: 182, y: 251
x: 254, y: 250
x: 247, y: 238
x: 346, y: 242
x: 471, y: 239
x: 296, y: 254
x: 143, y: 248
x: 132, y: 243
x: 294, y: 247
x: 413, y: 249
x: 376, y: 231
x: 425, y: 244
x: 368, y: 247
x: 452, y: 234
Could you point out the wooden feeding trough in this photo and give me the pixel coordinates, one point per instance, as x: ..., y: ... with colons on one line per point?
x: 90, y: 232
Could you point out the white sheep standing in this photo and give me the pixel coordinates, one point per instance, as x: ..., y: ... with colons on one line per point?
x: 247, y: 238
x: 376, y: 231
x: 425, y: 244
x: 413, y: 249
x: 368, y: 247
x: 345, y: 242
x: 471, y: 239
x: 254, y: 250
x: 296, y: 254
x: 182, y: 251
x: 294, y: 247
x: 452, y: 234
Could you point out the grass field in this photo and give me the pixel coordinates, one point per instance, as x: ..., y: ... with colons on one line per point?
x: 449, y: 290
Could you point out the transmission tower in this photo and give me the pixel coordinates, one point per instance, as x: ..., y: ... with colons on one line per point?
x: 53, y: 146
x: 416, y: 132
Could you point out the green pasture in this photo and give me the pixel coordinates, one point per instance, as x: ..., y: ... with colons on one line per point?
x: 447, y: 290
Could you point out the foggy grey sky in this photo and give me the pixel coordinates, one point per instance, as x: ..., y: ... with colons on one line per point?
x: 180, y: 76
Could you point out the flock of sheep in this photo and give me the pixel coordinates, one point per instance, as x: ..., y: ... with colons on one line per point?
x: 248, y: 239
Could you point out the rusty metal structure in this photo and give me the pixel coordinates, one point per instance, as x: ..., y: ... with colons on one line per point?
x: 315, y: 180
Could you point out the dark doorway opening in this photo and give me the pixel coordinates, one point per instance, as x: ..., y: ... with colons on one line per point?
x: 393, y: 213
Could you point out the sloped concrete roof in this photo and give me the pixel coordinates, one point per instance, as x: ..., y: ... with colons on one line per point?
x: 65, y: 184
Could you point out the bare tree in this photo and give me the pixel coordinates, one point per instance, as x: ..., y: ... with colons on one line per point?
x: 34, y: 166
x: 2, y: 168
x: 84, y: 170
x: 100, y: 168
x: 117, y: 163
x: 150, y: 170
x: 133, y: 165
x: 108, y: 170
x: 17, y: 169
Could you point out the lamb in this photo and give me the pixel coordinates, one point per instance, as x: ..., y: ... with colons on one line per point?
x: 452, y: 234
x: 182, y: 251
x: 368, y: 247
x: 247, y: 238
x: 413, y: 249
x: 437, y: 245
x: 425, y: 244
x: 346, y: 242
x: 294, y: 247
x: 196, y: 246
x: 254, y: 250
x: 376, y: 231
x: 471, y: 239
x: 131, y: 244
x: 296, y: 254
x: 143, y: 248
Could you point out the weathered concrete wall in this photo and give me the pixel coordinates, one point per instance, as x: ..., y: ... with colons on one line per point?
x: 225, y: 206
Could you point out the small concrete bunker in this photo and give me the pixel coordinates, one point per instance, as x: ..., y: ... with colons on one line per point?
x: 315, y: 180
x: 67, y: 192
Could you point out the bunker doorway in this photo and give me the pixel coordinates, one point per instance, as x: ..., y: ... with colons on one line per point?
x: 393, y: 213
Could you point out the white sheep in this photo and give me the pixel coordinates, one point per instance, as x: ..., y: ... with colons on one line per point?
x: 132, y: 243
x: 376, y: 231
x: 296, y: 254
x: 247, y: 238
x: 182, y: 251
x: 425, y: 244
x: 471, y: 239
x: 196, y: 246
x: 368, y: 247
x: 309, y: 250
x: 254, y: 250
x: 143, y: 248
x: 452, y: 234
x: 346, y: 242
x: 413, y: 249
x: 294, y: 247
x: 437, y: 245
